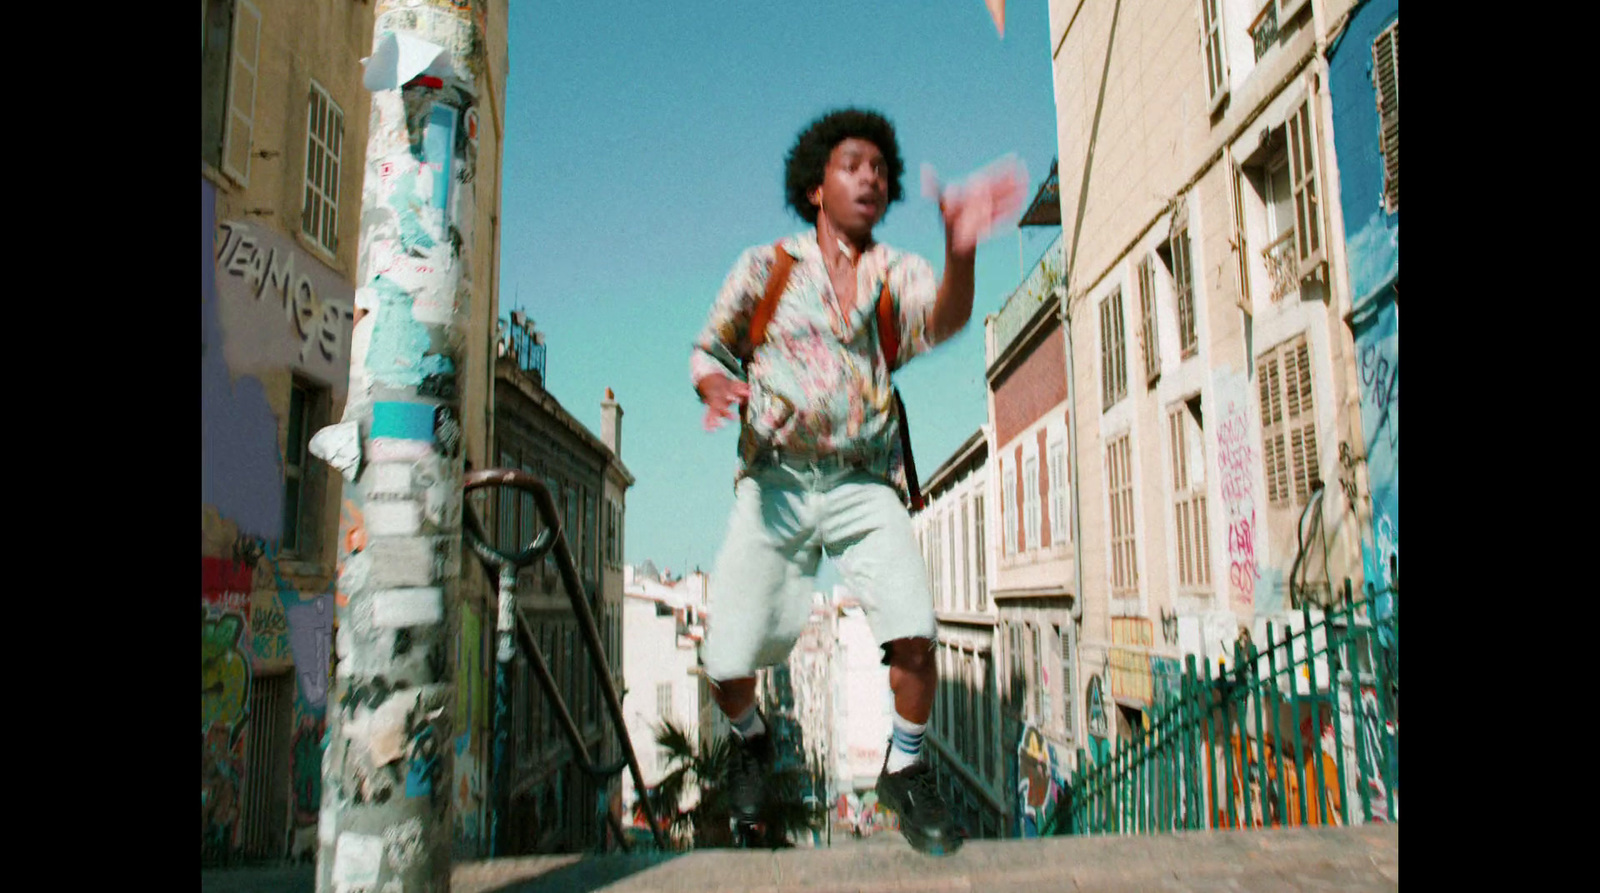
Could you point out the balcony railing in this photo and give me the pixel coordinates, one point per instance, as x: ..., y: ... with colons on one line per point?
x: 1264, y: 30
x: 524, y: 346
x: 1042, y: 280
x: 1280, y: 260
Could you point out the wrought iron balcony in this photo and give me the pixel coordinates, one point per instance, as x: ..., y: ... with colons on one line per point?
x: 1264, y: 30
x: 522, y: 344
x: 1040, y: 283
x: 1280, y: 260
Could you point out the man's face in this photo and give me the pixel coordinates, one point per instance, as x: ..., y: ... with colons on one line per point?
x: 855, y: 187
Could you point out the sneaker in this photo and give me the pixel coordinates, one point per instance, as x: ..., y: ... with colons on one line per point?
x: 748, y: 769
x: 913, y: 795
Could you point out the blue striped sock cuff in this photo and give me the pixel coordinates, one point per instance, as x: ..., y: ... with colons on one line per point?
x: 907, y: 742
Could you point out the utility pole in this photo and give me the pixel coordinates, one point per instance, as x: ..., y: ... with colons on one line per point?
x: 386, y: 824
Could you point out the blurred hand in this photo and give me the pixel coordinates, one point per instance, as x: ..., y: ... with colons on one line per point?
x: 719, y: 393
x: 972, y: 209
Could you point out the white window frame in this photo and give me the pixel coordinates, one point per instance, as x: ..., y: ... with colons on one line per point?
x: 1123, y: 567
x: 241, y: 111
x: 1304, y: 172
x: 1216, y: 54
x: 1008, y: 511
x: 1113, y: 351
x: 1030, y: 503
x: 1150, y: 335
x: 1191, y: 527
x: 982, y: 554
x: 1060, y: 524
x: 319, y: 210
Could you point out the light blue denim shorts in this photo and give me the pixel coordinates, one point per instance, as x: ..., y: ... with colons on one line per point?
x: 785, y: 515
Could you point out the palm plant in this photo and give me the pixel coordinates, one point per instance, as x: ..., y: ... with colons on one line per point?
x: 704, y: 769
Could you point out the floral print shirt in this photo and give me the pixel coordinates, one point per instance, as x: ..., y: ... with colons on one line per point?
x: 819, y: 387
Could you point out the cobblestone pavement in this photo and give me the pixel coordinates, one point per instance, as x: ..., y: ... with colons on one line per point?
x: 1344, y: 859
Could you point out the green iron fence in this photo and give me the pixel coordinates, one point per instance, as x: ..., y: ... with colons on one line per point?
x: 1304, y: 731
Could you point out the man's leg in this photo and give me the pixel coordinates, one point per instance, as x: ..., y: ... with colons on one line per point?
x: 881, y: 563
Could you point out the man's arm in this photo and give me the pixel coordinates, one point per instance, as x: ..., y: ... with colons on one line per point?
x: 970, y: 212
x: 715, y: 367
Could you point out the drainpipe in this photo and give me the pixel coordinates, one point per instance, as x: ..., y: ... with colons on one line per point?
x: 387, y: 818
x: 1072, y: 457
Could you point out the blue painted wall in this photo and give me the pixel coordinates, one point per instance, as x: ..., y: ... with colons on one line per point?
x: 240, y: 468
x: 1372, y: 242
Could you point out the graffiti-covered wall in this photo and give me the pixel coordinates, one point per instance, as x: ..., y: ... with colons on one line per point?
x: 1372, y: 237
x: 269, y: 313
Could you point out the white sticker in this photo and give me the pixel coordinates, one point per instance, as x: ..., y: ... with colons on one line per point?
x: 418, y: 606
x: 357, y: 859
x: 393, y: 449
x: 391, y: 477
x: 400, y: 517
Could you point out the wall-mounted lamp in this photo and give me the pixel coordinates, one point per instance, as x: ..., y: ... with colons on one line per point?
x: 1169, y: 626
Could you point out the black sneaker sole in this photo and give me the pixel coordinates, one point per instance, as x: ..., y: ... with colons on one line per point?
x: 919, y: 841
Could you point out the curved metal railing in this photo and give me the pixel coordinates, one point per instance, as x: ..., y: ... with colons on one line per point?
x: 511, y: 626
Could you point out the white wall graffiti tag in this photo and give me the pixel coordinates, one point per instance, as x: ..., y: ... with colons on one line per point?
x: 1234, y: 457
x: 263, y: 275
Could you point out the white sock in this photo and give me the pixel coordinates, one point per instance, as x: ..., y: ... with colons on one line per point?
x: 748, y: 724
x: 905, y: 746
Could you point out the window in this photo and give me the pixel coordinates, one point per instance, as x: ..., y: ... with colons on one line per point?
x: 1288, y: 423
x: 1008, y: 511
x: 1067, y: 684
x: 1015, y: 668
x: 1060, y: 524
x: 1216, y: 62
x: 952, y: 560
x: 1386, y: 84
x: 505, y: 533
x: 966, y: 556
x: 936, y: 569
x: 980, y: 556
x: 1185, y: 430
x: 1113, y: 359
x: 1149, y: 340
x: 1183, y: 289
x: 1303, y: 181
x: 530, y: 516
x: 1030, y: 502
x: 991, y: 703
x: 238, y: 119
x: 319, y: 217
x: 591, y: 536
x: 302, y: 479
x: 1042, y: 698
x: 1124, y: 557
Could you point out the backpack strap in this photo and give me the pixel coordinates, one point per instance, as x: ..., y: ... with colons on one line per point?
x: 888, y: 326
x: 777, y: 281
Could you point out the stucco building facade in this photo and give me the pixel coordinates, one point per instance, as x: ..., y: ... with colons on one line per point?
x: 1215, y: 380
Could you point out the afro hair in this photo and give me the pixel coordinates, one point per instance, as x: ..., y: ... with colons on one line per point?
x: 808, y: 160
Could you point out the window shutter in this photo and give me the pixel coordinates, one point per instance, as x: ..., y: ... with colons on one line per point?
x: 1303, y: 183
x: 1302, y: 419
x: 1386, y: 84
x: 240, y: 126
x: 1147, y: 306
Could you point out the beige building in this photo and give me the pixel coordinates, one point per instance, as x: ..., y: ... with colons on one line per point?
x: 283, y: 140
x: 1213, y: 379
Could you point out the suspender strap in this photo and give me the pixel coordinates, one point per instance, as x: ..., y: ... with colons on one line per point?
x: 888, y: 327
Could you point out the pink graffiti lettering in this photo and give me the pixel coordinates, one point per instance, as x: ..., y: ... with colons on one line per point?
x: 1233, y: 461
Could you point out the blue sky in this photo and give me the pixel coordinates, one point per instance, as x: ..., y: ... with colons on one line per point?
x: 644, y: 151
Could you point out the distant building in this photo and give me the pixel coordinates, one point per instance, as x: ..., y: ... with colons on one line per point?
x: 553, y: 807
x: 663, y: 624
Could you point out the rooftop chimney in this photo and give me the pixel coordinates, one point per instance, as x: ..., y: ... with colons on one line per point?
x: 611, y: 423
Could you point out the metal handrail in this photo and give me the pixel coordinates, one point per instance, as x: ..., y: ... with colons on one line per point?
x: 512, y: 624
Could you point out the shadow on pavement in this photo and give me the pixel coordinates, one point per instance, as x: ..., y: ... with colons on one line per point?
x: 586, y: 875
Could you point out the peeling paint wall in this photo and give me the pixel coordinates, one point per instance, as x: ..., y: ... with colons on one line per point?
x: 1373, y: 263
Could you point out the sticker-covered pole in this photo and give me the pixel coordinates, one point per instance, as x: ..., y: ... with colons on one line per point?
x: 386, y: 823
